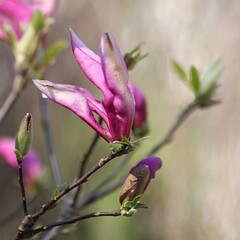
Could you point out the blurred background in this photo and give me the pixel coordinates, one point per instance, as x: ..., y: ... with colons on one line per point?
x: 196, y: 194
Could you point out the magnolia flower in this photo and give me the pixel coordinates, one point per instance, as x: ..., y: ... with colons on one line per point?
x: 16, y: 14
x: 32, y: 167
x: 139, y: 177
x: 140, y: 117
x: 108, y: 73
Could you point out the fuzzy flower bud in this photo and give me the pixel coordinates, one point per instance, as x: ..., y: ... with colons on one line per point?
x: 24, y: 137
x: 139, y: 177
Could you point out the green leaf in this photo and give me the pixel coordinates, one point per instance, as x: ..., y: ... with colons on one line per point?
x: 38, y: 21
x: 210, y: 77
x: 122, y: 146
x: 11, y: 38
x: 52, y: 53
x: 135, y: 56
x: 60, y: 188
x: 195, y: 80
x: 125, y: 140
x: 19, y: 156
x: 180, y: 71
x: 130, y: 207
x: 136, y: 60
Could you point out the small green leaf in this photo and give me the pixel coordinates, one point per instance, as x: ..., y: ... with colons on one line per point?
x: 137, y: 60
x: 194, y: 80
x: 135, y: 56
x: 52, y: 53
x: 130, y: 207
x: 180, y: 71
x: 11, y: 38
x: 125, y: 140
x: 60, y: 188
x: 122, y: 146
x: 211, y: 76
x: 38, y: 21
x: 19, y: 156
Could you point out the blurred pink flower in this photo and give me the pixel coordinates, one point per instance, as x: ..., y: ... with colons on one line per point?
x: 16, y: 14
x: 107, y: 72
x: 32, y: 167
x: 139, y: 177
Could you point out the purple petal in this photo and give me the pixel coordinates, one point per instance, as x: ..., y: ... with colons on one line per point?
x: 120, y: 106
x: 89, y: 63
x: 78, y: 100
x: 140, y: 117
x: 154, y: 163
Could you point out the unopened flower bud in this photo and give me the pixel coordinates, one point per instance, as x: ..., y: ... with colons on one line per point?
x: 139, y: 178
x: 24, y: 137
x: 134, y: 184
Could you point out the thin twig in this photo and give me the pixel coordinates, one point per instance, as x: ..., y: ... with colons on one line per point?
x: 49, y: 141
x: 83, y: 165
x: 92, y: 197
x: 75, y: 220
x: 83, y: 179
x: 181, y: 118
x: 20, y: 178
x: 11, y: 98
x: 95, y: 193
x: 27, y: 224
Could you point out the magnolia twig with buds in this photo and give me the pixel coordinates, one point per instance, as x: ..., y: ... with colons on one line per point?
x: 22, y: 146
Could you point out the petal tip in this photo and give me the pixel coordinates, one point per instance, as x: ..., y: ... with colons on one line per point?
x: 75, y: 41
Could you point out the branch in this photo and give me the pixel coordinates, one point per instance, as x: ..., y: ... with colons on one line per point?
x: 181, y: 118
x: 96, y: 194
x: 74, y: 220
x: 92, y: 197
x: 20, y: 178
x: 83, y: 165
x: 49, y: 141
x: 11, y: 98
x: 27, y: 223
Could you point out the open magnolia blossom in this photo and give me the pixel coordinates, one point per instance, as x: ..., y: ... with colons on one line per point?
x: 108, y: 73
x: 16, y: 14
x: 32, y: 167
x: 139, y: 177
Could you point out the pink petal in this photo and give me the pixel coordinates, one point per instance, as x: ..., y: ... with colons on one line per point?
x: 78, y: 100
x: 120, y: 107
x: 89, y: 63
x: 154, y: 164
x: 140, y: 117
